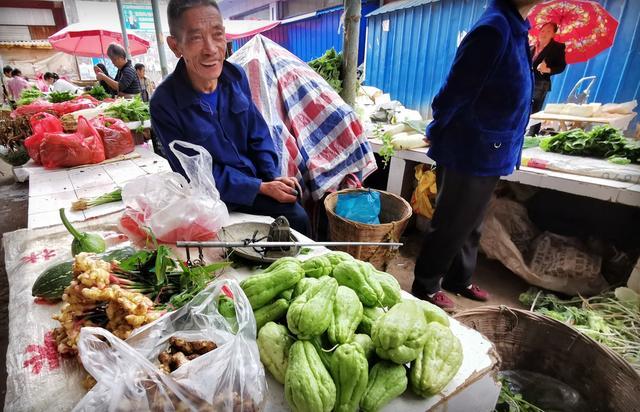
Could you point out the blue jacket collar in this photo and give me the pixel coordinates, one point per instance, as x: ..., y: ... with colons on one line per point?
x: 517, y: 23
x: 184, y: 92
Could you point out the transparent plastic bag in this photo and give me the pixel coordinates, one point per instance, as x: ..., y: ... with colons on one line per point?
x: 229, y: 378
x: 172, y: 209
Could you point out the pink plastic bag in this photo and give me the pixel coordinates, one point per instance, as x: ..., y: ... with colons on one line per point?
x: 78, y: 103
x: 41, y: 123
x: 171, y: 208
x: 33, y: 108
x: 67, y: 150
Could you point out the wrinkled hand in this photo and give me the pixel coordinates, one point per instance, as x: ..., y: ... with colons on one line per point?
x: 292, y: 182
x: 279, y: 191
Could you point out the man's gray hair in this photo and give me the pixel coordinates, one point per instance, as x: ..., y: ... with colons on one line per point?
x: 177, y: 8
x: 115, y: 50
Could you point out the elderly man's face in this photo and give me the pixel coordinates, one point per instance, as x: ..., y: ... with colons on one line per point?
x: 118, y: 61
x: 201, y: 42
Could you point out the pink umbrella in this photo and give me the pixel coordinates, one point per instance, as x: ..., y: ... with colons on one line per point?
x: 87, y: 40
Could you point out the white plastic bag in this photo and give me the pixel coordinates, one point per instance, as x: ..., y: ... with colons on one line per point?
x: 229, y: 378
x: 171, y: 208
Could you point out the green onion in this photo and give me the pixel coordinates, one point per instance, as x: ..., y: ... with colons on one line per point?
x: 84, y: 203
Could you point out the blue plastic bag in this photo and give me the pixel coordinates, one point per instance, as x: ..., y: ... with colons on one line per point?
x: 361, y: 207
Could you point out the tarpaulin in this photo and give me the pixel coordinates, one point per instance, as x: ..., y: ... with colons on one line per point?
x: 318, y: 136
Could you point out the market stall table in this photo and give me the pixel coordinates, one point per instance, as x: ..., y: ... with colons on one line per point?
x: 619, y: 121
x: 401, y: 174
x: 38, y: 379
x: 49, y: 190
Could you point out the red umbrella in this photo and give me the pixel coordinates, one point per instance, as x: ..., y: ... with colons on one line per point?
x: 82, y: 39
x: 585, y: 27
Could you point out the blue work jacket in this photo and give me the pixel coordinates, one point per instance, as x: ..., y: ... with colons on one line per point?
x: 481, y: 112
x: 234, y: 132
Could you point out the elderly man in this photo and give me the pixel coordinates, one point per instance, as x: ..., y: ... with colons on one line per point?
x: 207, y: 101
x: 479, y: 120
x: 126, y: 81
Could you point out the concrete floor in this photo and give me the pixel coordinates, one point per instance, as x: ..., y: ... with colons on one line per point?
x: 503, y: 286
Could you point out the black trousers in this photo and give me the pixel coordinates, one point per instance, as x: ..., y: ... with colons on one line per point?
x: 450, y: 247
x: 540, y: 92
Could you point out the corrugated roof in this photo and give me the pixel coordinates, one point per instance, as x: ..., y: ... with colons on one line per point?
x: 399, y: 5
x: 29, y: 44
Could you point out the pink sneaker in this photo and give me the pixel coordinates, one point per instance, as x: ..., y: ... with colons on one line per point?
x: 441, y: 300
x: 472, y: 292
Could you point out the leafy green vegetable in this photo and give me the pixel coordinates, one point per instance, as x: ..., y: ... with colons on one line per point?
x: 531, y: 141
x: 134, y: 110
x: 510, y: 401
x: 619, y: 160
x: 57, y: 97
x: 604, y: 318
x: 98, y: 92
x: 602, y: 142
x: 329, y: 66
x: 29, y: 95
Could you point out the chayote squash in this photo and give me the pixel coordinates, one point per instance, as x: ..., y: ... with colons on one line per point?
x: 387, y: 381
x: 369, y: 316
x: 310, y: 313
x: 337, y: 257
x: 302, y: 286
x: 400, y: 334
x: 274, y: 343
x: 347, y: 315
x: 317, y: 267
x: 271, y: 312
x: 365, y: 343
x: 357, y: 276
x: 262, y: 288
x: 432, y: 313
x: 287, y: 294
x: 437, y: 363
x: 308, y: 386
x: 390, y: 287
x: 350, y: 372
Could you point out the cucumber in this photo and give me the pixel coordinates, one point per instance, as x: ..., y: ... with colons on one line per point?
x: 53, y: 281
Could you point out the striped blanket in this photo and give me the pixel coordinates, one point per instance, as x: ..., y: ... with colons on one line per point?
x: 319, y: 138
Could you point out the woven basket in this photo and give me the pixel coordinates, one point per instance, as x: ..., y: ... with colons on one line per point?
x: 394, y: 216
x: 528, y: 341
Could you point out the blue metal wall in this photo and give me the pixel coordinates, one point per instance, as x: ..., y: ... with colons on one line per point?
x: 311, y: 37
x: 411, y: 60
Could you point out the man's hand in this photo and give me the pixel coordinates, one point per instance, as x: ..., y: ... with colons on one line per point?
x: 292, y: 182
x: 97, y: 70
x: 100, y: 75
x: 279, y: 191
x: 543, y: 68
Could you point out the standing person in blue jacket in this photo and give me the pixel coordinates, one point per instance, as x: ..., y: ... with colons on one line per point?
x: 207, y: 101
x: 479, y: 119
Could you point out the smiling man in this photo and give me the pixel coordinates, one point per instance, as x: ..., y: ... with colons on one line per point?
x: 207, y: 101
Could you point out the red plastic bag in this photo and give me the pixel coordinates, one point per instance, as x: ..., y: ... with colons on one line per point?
x: 66, y: 150
x: 32, y: 108
x: 78, y: 103
x: 116, y: 136
x: 41, y: 123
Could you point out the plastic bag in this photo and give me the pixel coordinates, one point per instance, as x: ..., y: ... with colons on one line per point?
x: 362, y: 207
x: 172, y: 209
x: 41, y: 123
x: 78, y: 103
x: 116, y: 136
x: 424, y: 197
x: 33, y: 108
x: 67, y: 150
x: 228, y: 378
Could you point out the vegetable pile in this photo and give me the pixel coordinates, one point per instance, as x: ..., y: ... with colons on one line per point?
x: 329, y: 66
x: 602, y: 142
x: 57, y: 97
x: 336, y: 332
x: 134, y: 110
x: 612, y: 318
x: 29, y: 96
x: 98, y: 92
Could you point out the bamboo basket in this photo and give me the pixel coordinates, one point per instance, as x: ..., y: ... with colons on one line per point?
x: 394, y: 216
x: 529, y: 341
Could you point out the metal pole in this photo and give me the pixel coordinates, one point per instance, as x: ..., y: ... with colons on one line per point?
x: 125, y: 39
x: 159, y: 37
x: 352, y: 11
